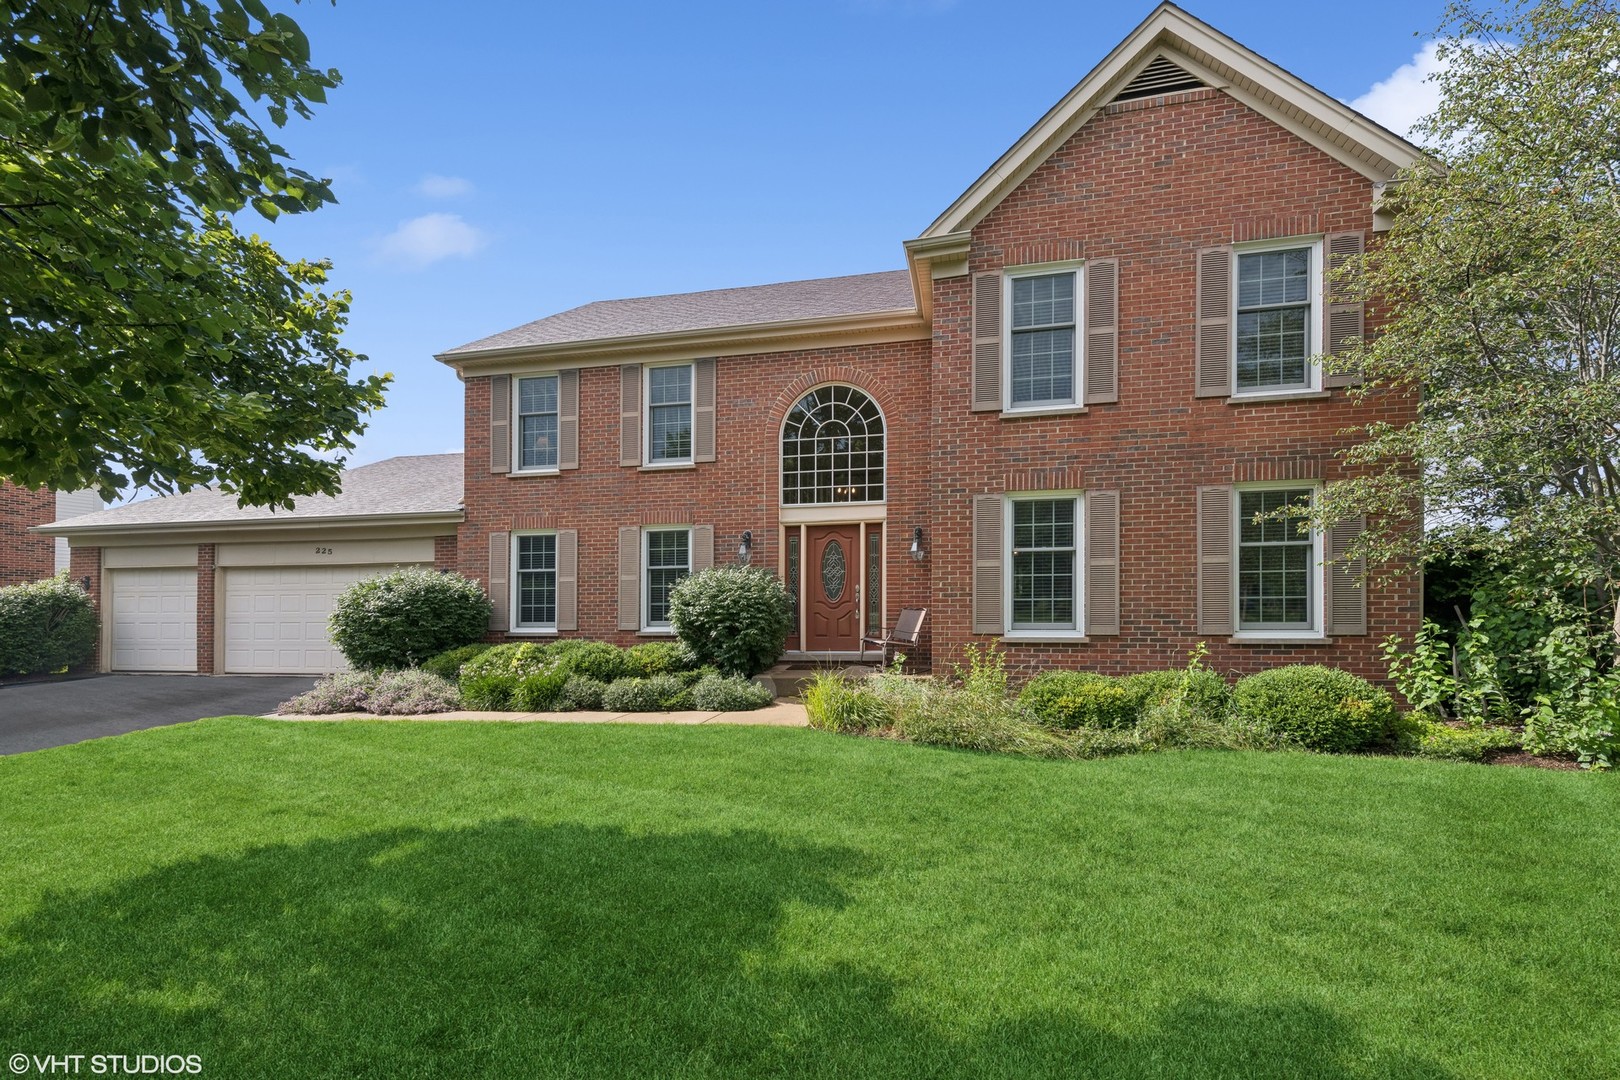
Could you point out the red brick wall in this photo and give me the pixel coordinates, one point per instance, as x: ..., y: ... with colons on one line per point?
x: 85, y: 567
x: 207, y: 558
x: 23, y: 555
x: 445, y: 555
x: 1149, y: 184
x: 740, y: 490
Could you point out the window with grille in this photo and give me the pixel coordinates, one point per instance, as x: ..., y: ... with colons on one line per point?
x: 537, y: 422
x: 833, y: 449
x: 1276, y: 561
x: 668, y: 558
x: 536, y: 580
x: 669, y: 414
x: 1043, y: 565
x: 1042, y: 371
x: 1275, y: 300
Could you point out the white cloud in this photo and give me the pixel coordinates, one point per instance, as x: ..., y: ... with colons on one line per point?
x: 425, y: 240
x: 435, y: 186
x: 1406, y: 96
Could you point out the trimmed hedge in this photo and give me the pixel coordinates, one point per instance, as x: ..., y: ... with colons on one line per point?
x: 46, y: 626
x: 577, y: 674
x: 1320, y: 708
x: 1076, y: 699
x: 733, y: 617
x: 406, y: 616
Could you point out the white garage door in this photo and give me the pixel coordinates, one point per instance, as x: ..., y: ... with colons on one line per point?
x: 154, y: 619
x: 275, y: 618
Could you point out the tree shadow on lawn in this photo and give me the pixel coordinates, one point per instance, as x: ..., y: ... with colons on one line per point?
x: 515, y: 949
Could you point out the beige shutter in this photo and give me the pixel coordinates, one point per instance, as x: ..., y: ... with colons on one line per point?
x: 703, y: 398
x: 1102, y: 562
x: 629, y: 578
x: 702, y: 547
x: 500, y: 598
x: 987, y: 614
x: 500, y: 423
x: 1347, y: 579
x: 1213, y: 349
x: 1215, y: 560
x: 568, y: 419
x: 986, y: 376
x: 1345, y: 314
x: 630, y: 414
x: 1102, y: 331
x: 567, y: 579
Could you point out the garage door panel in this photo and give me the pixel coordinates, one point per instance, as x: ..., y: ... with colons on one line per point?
x: 275, y: 617
x: 154, y: 619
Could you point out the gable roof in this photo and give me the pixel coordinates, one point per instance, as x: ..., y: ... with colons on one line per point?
x: 754, y: 305
x: 426, y: 485
x: 1212, y: 58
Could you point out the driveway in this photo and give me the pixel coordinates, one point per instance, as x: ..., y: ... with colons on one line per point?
x: 34, y: 716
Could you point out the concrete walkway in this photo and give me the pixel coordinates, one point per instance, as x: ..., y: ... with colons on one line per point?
x: 781, y: 714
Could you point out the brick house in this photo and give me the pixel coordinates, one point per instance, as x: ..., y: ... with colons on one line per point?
x: 28, y: 556
x: 1053, y: 428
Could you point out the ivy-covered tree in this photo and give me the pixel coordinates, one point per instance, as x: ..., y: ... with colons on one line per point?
x: 1499, y: 285
x: 143, y: 332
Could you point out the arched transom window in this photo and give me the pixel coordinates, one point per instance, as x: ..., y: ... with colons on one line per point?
x: 832, y: 449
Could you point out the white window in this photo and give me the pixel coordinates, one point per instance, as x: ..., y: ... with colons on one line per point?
x: 1279, y: 577
x: 1043, y: 338
x: 669, y: 414
x: 833, y: 449
x: 1276, y: 329
x: 534, y: 581
x: 537, y: 423
x: 1043, y: 563
x: 666, y: 557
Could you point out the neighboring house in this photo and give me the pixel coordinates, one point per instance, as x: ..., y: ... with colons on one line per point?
x: 25, y: 555
x: 1052, y: 429
x: 195, y: 583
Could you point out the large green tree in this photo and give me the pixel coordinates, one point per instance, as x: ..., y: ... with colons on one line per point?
x: 146, y: 338
x: 1498, y: 292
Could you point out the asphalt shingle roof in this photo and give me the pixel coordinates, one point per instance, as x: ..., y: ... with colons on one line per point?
x: 790, y: 301
x: 416, y: 484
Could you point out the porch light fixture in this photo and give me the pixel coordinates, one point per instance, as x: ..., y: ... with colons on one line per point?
x: 746, y: 546
x: 916, y: 544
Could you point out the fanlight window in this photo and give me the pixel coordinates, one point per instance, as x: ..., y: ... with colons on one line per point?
x: 832, y: 449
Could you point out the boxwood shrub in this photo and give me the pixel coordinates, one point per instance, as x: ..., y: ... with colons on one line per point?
x: 733, y: 617
x: 399, y: 619
x: 1320, y: 708
x: 46, y: 626
x: 1075, y: 699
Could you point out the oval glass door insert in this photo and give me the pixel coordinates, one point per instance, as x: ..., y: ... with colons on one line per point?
x: 833, y: 571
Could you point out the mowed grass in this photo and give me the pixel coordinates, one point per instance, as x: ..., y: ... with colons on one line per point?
x: 402, y: 899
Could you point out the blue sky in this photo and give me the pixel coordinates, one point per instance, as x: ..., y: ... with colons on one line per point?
x: 498, y: 162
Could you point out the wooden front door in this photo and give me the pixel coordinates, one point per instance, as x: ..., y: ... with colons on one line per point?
x: 831, y: 581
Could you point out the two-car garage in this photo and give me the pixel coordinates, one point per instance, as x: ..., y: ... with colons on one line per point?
x: 193, y: 583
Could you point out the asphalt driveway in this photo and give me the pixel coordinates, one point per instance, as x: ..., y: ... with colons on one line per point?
x: 34, y: 716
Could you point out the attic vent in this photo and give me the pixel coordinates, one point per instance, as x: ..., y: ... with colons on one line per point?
x: 1159, y: 77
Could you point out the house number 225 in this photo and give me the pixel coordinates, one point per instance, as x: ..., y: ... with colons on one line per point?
x: 323, y: 551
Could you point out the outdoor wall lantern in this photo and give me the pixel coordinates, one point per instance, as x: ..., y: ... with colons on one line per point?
x: 916, y: 544
x: 746, y: 547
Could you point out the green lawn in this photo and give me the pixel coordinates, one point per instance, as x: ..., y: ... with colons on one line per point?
x: 398, y: 899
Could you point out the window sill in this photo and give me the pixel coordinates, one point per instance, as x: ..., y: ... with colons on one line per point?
x: 534, y: 631
x: 1050, y: 410
x: 1265, y: 399
x: 1049, y: 638
x: 535, y: 472
x: 655, y: 632
x: 671, y: 466
x: 1274, y: 638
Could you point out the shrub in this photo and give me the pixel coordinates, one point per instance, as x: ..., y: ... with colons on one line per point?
x: 401, y: 618
x: 1321, y: 708
x: 659, y: 658
x: 447, y: 665
x: 729, y: 693
x: 46, y: 626
x: 541, y: 691
x: 347, y: 691
x: 979, y: 722
x: 597, y: 659
x: 1197, y: 690
x: 490, y: 679
x: 733, y: 617
x: 836, y: 703
x: 1072, y: 699
x: 655, y: 693
x: 581, y: 693
x: 412, y: 693
x: 1423, y: 736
